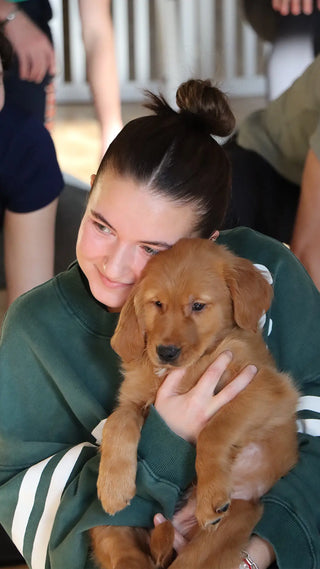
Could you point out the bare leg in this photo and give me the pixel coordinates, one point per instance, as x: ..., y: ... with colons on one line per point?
x: 28, y: 248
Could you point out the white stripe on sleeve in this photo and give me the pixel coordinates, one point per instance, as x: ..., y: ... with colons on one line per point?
x: 25, y: 502
x: 309, y: 427
x: 309, y: 403
x: 58, y: 482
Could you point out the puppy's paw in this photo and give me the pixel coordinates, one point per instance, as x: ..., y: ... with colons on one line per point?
x: 161, y: 544
x: 116, y: 488
x: 212, y: 505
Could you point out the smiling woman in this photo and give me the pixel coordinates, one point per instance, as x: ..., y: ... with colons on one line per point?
x: 164, y: 177
x: 113, y: 245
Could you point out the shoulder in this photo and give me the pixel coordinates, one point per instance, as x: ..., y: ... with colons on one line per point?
x: 41, y: 306
x: 285, y: 269
x: 42, y: 299
x: 251, y: 244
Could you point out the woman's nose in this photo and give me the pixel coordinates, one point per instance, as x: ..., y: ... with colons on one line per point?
x: 118, y: 263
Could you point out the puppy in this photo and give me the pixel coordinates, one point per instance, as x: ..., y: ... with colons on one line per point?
x: 193, y: 302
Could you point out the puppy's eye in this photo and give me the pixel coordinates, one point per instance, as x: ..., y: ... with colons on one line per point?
x: 158, y: 303
x: 198, y: 306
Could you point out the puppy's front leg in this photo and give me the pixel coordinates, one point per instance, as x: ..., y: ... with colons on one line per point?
x: 118, y: 465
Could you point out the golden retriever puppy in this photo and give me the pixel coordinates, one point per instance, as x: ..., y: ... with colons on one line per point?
x: 193, y: 302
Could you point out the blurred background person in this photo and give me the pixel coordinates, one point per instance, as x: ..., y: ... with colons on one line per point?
x: 29, y: 83
x: 30, y: 183
x: 275, y: 159
x: 293, y: 28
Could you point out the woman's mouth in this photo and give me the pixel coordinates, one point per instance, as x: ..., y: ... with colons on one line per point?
x: 111, y: 283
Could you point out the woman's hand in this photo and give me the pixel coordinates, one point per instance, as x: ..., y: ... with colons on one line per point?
x: 186, y: 414
x: 260, y: 551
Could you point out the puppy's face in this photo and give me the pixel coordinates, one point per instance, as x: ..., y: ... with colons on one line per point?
x: 184, y: 306
x: 187, y: 300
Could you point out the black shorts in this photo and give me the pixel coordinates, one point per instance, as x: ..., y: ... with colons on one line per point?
x: 28, y: 95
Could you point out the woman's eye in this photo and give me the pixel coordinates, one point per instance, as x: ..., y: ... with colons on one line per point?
x: 101, y: 227
x: 198, y: 306
x: 150, y: 251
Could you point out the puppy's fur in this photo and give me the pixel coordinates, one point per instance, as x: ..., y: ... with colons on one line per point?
x: 193, y: 302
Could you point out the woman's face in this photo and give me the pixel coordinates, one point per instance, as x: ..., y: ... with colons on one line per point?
x: 123, y: 226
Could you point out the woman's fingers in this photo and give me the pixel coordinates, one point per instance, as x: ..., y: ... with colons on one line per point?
x: 233, y: 388
x: 187, y: 413
x: 209, y: 380
x: 172, y: 382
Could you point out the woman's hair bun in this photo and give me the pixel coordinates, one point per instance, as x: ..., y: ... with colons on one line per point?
x: 208, y: 103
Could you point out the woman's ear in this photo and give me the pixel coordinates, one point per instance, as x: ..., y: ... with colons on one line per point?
x: 92, y: 179
x: 128, y: 340
x: 250, y: 291
x: 214, y: 235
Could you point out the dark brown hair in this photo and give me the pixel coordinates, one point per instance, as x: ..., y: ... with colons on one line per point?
x: 6, y: 51
x: 174, y: 153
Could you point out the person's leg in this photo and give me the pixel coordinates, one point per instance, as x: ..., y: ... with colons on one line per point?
x: 28, y: 248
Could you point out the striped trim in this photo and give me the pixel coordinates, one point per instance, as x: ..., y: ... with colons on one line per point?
x: 309, y: 427
x: 57, y: 485
x: 25, y: 502
x: 309, y: 403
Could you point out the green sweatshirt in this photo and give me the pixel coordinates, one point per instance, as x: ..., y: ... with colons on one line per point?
x: 59, y: 380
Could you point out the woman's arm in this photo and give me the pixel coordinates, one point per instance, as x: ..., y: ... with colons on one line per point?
x: 98, y: 37
x: 306, y: 235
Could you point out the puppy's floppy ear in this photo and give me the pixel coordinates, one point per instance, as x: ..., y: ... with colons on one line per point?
x: 128, y: 340
x: 250, y: 291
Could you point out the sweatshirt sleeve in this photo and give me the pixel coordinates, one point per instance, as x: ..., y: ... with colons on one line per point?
x: 291, y: 521
x: 49, y: 461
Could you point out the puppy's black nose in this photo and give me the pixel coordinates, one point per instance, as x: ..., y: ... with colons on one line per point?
x: 168, y: 354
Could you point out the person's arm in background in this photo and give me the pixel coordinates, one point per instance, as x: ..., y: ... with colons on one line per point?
x: 306, y: 234
x: 34, y: 51
x: 97, y: 31
x: 294, y: 7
